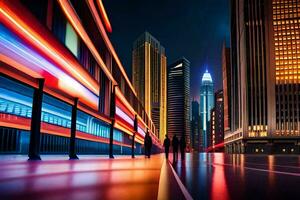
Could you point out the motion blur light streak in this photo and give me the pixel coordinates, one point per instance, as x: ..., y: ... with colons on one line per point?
x: 104, y: 16
x: 17, y: 24
x: 93, y: 9
x: 141, y: 131
x: 76, y: 23
x: 55, y: 78
x: 124, y: 116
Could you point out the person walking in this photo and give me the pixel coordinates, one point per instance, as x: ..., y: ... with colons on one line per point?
x: 182, y: 147
x: 148, y: 144
x: 167, y: 145
x: 175, y: 144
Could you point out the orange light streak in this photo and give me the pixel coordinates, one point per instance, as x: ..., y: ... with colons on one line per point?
x: 118, y: 125
x: 104, y: 16
x: 77, y: 25
x: 124, y: 101
x: 108, y: 43
x: 17, y: 23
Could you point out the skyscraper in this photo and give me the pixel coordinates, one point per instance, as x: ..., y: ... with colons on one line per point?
x: 179, y: 99
x: 217, y: 120
x: 195, y: 126
x: 149, y: 77
x: 206, y: 104
x: 264, y: 76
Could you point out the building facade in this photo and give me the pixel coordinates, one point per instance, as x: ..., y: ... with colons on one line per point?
x: 206, y: 104
x: 195, y: 126
x: 63, y: 88
x: 149, y: 77
x: 226, y: 87
x: 179, y: 99
x: 217, y: 122
x: 265, y: 77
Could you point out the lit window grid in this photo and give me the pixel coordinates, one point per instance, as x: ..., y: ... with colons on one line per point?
x: 286, y: 21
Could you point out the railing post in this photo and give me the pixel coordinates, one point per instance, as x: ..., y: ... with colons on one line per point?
x: 112, y: 116
x: 35, y: 130
x: 133, y: 137
x: 72, y: 151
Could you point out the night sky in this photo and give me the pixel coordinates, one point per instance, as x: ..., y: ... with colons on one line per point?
x: 195, y: 29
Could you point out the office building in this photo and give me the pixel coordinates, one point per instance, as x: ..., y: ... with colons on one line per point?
x: 217, y: 122
x: 149, y: 77
x: 206, y: 104
x: 265, y: 79
x: 179, y: 99
x: 195, y: 126
x: 63, y: 88
x: 226, y: 86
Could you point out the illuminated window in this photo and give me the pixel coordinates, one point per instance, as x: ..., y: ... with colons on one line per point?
x: 71, y: 40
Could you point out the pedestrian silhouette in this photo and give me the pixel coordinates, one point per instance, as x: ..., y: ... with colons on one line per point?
x: 175, y: 144
x: 147, y: 144
x: 167, y: 145
x: 182, y: 147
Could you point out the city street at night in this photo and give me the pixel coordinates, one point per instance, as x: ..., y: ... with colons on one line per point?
x: 91, y: 177
x: 235, y: 176
x: 98, y: 98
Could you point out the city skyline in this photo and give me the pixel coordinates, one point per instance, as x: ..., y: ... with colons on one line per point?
x: 200, y: 42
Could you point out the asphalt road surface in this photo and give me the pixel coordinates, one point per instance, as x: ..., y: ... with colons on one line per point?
x: 220, y: 176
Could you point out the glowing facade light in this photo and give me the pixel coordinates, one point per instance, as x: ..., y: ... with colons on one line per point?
x: 124, y: 116
x: 124, y: 101
x: 121, y: 127
x: 108, y: 43
x: 11, y: 47
x: 77, y: 25
x: 18, y: 24
x: 104, y: 16
x: 206, y: 77
x: 141, y: 131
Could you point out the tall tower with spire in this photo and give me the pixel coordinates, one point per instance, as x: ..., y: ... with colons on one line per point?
x: 206, y: 104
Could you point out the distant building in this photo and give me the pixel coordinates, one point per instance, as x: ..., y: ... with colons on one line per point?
x: 212, y: 135
x: 265, y: 77
x: 179, y: 99
x: 149, y: 77
x: 206, y: 104
x: 217, y: 121
x: 226, y: 86
x: 195, y: 126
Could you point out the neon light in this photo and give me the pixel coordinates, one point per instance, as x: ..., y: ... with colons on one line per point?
x: 118, y: 125
x: 206, y: 77
x: 108, y: 43
x: 124, y: 100
x: 76, y: 23
x: 104, y: 16
x: 124, y: 116
x: 11, y: 47
x: 39, y: 42
x: 141, y: 131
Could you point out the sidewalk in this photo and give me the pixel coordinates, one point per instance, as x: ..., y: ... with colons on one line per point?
x: 89, y: 178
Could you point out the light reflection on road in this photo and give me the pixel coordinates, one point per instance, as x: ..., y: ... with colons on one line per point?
x: 239, y: 176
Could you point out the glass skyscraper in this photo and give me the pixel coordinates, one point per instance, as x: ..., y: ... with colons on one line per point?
x: 265, y: 77
x: 179, y: 99
x: 149, y: 77
x: 206, y: 104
